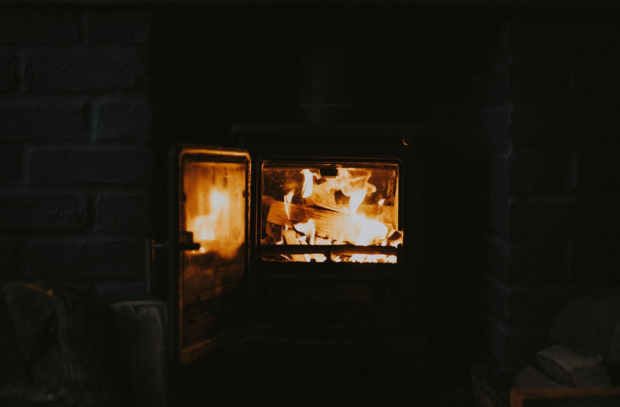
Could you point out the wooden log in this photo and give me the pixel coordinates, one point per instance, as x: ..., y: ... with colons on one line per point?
x: 571, y: 369
x: 329, y: 224
x: 593, y: 397
x: 290, y: 237
x: 322, y: 198
x: 533, y: 378
x: 141, y: 328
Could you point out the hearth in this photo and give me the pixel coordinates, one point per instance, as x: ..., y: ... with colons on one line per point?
x: 301, y: 233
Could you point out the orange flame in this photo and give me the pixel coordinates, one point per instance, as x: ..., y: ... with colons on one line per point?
x: 369, y: 222
x: 309, y: 176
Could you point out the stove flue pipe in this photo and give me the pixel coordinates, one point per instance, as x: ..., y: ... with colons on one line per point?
x: 327, y: 87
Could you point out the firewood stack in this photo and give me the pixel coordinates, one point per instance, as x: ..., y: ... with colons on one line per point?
x: 584, y: 362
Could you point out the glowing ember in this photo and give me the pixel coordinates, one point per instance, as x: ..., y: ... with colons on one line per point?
x: 307, y: 229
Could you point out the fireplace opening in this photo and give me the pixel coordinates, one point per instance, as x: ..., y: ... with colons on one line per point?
x: 321, y: 205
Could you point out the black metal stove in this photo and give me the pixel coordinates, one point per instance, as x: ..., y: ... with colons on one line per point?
x: 304, y: 232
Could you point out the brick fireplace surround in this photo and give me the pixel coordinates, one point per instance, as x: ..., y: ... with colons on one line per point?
x: 520, y: 181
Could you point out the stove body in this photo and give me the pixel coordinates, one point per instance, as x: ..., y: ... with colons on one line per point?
x: 300, y: 232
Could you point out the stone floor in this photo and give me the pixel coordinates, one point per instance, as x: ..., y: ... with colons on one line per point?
x: 310, y: 380
x: 327, y: 381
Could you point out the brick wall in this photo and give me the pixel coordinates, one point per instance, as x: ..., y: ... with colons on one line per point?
x: 75, y: 160
x: 550, y: 97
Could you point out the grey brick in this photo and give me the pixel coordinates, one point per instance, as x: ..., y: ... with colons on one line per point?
x: 492, y: 88
x: 499, y: 214
x: 119, y: 27
x: 598, y: 33
x: 597, y: 74
x: 58, y: 122
x: 115, y: 291
x: 598, y: 172
x: 86, y: 260
x: 528, y: 307
x: 538, y: 75
x: 9, y: 164
x: 561, y: 220
x: 537, y: 173
x: 29, y: 25
x: 518, y: 264
x: 496, y: 256
x: 43, y: 212
x: 124, y: 213
x: 488, y: 127
x: 543, y: 33
x: 596, y: 263
x: 511, y: 351
x: 10, y: 260
x: 121, y: 121
x: 498, y: 174
x: 86, y: 71
x: 537, y: 263
x: 565, y: 121
x: 90, y: 167
x: 5, y: 80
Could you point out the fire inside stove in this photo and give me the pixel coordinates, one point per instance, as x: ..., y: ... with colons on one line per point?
x: 282, y: 225
x: 338, y: 212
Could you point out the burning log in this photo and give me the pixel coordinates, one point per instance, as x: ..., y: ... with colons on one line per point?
x: 333, y: 225
x: 290, y: 237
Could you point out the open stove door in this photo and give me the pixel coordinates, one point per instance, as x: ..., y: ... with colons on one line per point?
x: 208, y: 259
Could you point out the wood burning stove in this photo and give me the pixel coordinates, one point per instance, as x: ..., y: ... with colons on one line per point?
x: 300, y: 231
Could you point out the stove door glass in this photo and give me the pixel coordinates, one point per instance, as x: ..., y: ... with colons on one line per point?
x: 335, y: 211
x: 212, y: 252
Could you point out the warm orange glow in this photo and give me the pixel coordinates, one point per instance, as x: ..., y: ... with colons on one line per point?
x: 346, y: 208
x: 215, y: 206
x: 309, y: 176
x: 287, y: 202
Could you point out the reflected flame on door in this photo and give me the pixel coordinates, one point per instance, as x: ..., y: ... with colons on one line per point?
x: 215, y: 206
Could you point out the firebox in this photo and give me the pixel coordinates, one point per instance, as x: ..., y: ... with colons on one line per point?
x: 296, y: 232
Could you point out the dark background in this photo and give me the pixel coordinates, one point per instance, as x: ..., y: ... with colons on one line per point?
x: 519, y: 202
